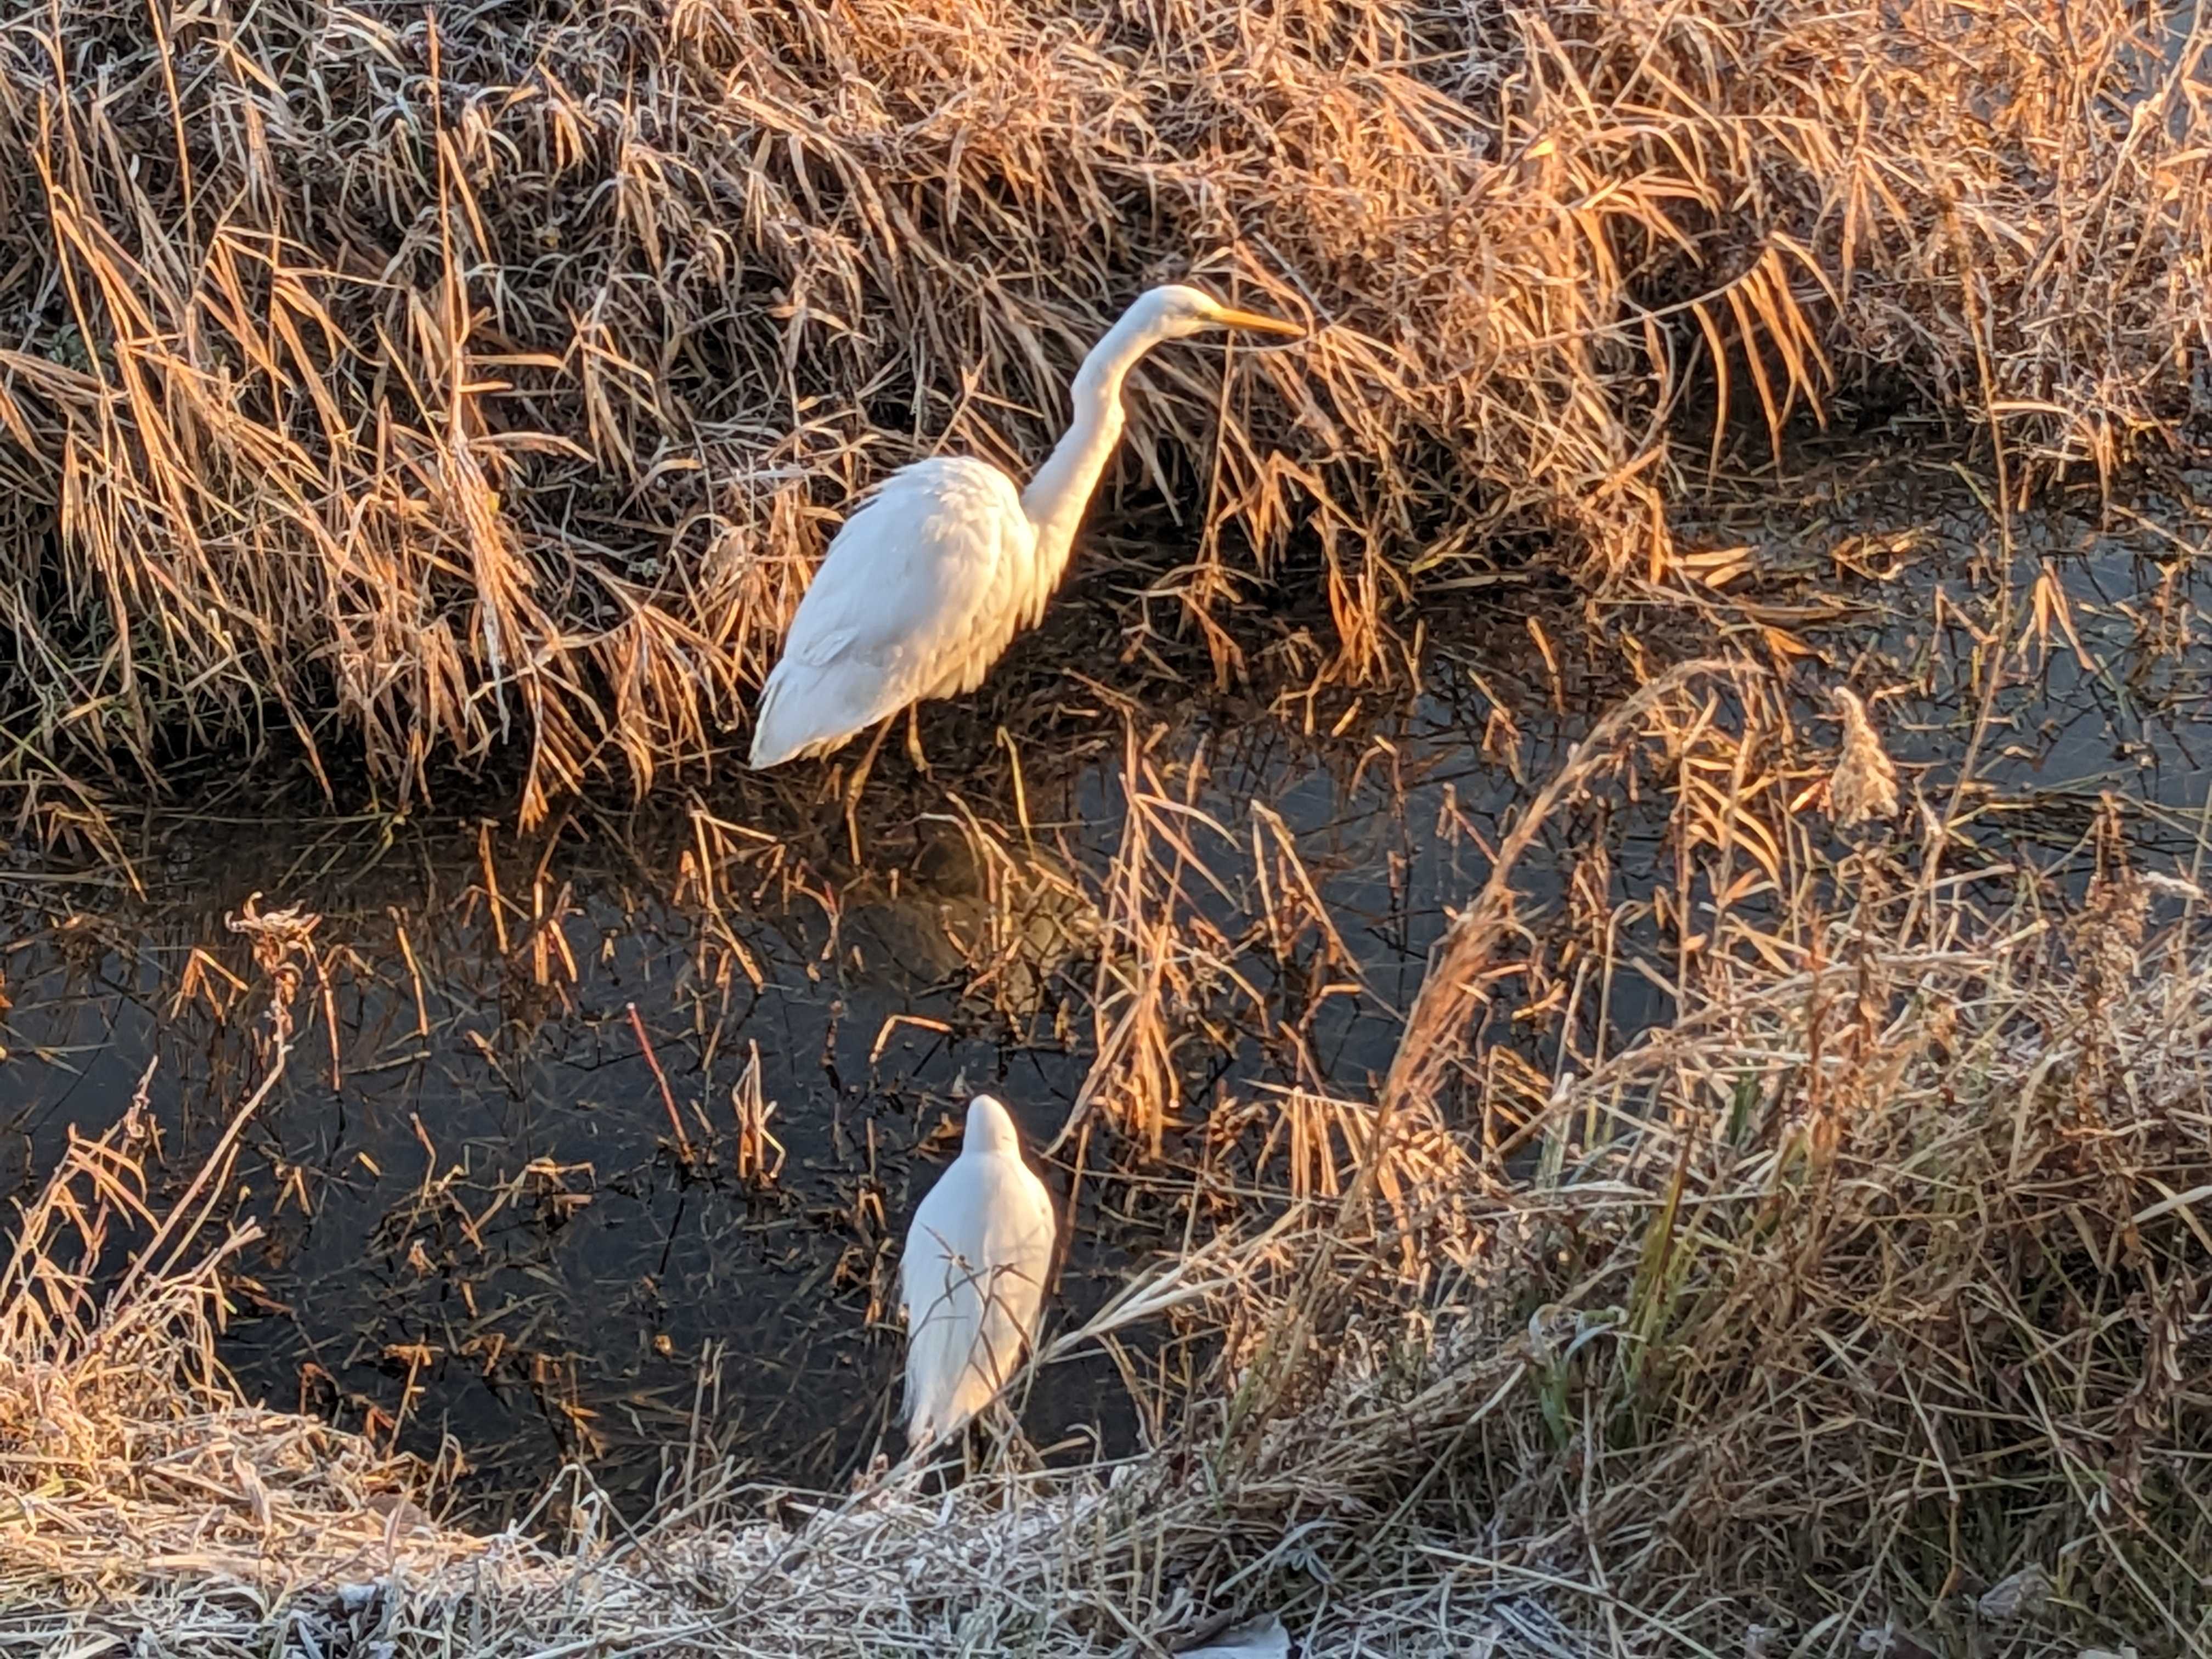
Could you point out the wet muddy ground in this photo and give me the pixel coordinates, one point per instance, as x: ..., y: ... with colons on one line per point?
x: 477, y: 1229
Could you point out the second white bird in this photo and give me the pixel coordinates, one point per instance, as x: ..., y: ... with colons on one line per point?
x: 973, y: 1278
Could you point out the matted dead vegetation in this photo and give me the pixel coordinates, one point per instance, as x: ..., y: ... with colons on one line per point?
x: 1863, y: 1307
x: 439, y: 381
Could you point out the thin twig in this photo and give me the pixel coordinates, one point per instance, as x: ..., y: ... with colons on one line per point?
x: 667, y: 1099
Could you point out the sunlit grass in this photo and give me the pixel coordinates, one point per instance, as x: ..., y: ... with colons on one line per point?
x: 440, y: 384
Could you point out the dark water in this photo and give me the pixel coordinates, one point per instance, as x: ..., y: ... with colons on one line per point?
x: 475, y: 1226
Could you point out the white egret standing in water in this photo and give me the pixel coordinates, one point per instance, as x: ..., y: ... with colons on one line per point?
x: 973, y: 1277
x: 928, y: 583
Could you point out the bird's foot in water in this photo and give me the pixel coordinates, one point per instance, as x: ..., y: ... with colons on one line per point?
x: 914, y: 739
x: 859, y: 779
x: 852, y: 820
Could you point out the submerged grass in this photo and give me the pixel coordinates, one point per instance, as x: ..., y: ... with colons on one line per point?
x: 435, y: 382
x: 1861, y: 1307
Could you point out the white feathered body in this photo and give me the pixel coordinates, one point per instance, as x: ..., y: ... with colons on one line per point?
x: 923, y: 590
x: 973, y: 1277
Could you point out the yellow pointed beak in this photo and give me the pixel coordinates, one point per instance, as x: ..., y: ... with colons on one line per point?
x: 1229, y: 318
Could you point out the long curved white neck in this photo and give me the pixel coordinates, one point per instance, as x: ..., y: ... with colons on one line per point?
x: 1063, y: 486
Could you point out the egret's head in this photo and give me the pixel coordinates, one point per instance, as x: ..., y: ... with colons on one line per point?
x: 1176, y: 313
x: 991, y: 1129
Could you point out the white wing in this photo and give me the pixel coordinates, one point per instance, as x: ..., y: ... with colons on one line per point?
x: 973, y: 1281
x: 920, y: 592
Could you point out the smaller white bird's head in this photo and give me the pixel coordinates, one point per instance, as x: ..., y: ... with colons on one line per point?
x: 990, y: 1129
x: 1176, y: 313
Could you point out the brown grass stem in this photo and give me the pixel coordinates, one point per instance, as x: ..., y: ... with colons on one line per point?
x: 684, y: 1149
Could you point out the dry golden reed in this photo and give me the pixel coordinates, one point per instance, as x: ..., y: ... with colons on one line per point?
x: 1863, y: 786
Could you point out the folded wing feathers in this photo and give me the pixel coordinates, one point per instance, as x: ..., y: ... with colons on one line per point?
x: 973, y: 1283
x: 920, y: 591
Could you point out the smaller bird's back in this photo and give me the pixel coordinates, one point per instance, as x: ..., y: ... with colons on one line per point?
x: 973, y: 1277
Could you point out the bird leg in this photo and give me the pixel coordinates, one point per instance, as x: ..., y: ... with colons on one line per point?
x: 860, y: 778
x: 914, y: 738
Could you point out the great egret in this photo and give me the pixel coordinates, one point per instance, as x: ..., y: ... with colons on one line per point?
x: 927, y: 584
x: 973, y: 1277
